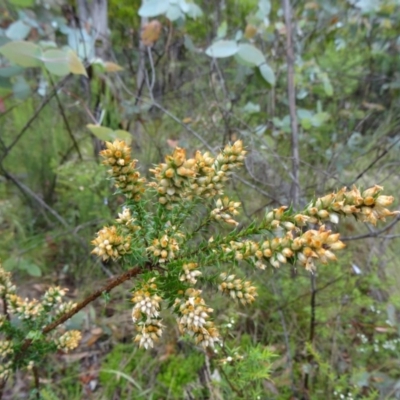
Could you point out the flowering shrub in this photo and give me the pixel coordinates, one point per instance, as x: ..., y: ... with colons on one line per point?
x: 162, y: 236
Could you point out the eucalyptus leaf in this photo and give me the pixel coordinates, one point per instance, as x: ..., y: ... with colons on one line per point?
x: 107, y: 134
x: 75, y: 64
x: 194, y: 11
x: 188, y: 43
x: 174, y: 12
x: 267, y: 73
x: 367, y: 6
x: 5, y: 83
x: 303, y: 113
x: 124, y: 135
x: 320, y: 118
x: 222, y: 30
x: 18, y: 30
x: 250, y: 54
x: 305, y: 123
x: 328, y: 88
x: 56, y: 62
x: 21, y: 89
x: 153, y: 8
x: 24, y: 54
x: 185, y: 7
x: 8, y: 72
x: 101, y: 132
x: 33, y: 270
x: 264, y: 6
x: 251, y: 108
x: 222, y: 49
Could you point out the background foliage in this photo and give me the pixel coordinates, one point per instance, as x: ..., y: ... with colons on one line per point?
x: 211, y: 72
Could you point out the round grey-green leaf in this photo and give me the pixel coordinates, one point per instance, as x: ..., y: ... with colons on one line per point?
x: 267, y: 73
x: 222, y: 49
x: 18, y: 30
x: 174, y: 12
x: 56, y: 62
x: 250, y: 54
x: 194, y: 11
x: 24, y: 54
x: 153, y: 8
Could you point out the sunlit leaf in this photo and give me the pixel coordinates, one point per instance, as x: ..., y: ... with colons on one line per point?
x: 18, y: 30
x: 250, y: 54
x: 267, y: 73
x: 222, y: 49
x: 112, y: 67
x: 24, y: 54
x: 153, y: 8
x: 75, y: 64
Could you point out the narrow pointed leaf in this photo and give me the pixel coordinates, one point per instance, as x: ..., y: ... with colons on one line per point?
x: 112, y: 67
x: 75, y: 64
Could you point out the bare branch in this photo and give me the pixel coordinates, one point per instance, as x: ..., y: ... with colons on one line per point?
x: 295, y: 189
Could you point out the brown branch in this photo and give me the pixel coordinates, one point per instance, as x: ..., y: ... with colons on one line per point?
x: 295, y: 189
x: 105, y: 289
x: 36, y: 381
x: 372, y: 233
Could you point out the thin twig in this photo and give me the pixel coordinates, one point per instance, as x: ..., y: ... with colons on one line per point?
x: 36, y: 381
x: 295, y: 189
x: 286, y: 338
x: 33, y: 195
x: 34, y: 116
x: 65, y: 119
x: 372, y: 233
x: 383, y: 154
x: 312, y: 326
